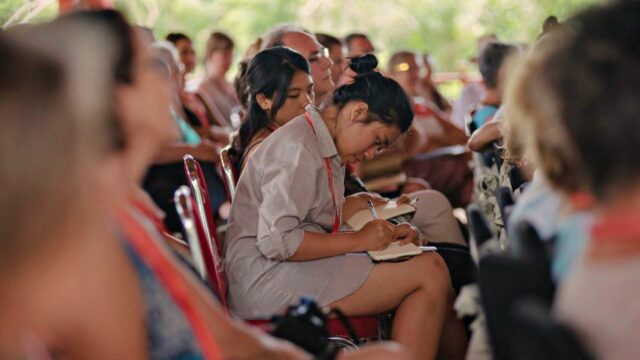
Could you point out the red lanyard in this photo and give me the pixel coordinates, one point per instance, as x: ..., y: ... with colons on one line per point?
x: 619, y: 228
x: 145, y: 247
x: 327, y: 164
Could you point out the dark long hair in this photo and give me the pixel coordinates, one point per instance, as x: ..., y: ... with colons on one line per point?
x: 387, y: 102
x: 269, y: 73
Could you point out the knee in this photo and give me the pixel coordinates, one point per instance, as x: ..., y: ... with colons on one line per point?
x: 435, y: 271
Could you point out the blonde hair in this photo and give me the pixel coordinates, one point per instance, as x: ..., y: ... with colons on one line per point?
x: 535, y: 129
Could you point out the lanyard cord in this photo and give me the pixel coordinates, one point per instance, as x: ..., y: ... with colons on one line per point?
x: 144, y: 245
x: 620, y: 229
x: 327, y: 164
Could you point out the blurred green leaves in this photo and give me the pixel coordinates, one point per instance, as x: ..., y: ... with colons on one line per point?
x: 446, y: 29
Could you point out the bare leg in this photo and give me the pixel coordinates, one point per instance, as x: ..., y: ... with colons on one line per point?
x: 419, y: 288
x: 454, y: 340
x: 381, y: 351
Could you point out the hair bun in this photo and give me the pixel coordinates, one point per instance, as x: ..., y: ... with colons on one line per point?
x: 364, y: 64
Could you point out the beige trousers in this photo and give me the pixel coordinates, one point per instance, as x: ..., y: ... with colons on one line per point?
x: 434, y: 217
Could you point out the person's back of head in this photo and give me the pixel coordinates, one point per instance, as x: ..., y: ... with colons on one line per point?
x: 579, y: 90
x: 490, y: 62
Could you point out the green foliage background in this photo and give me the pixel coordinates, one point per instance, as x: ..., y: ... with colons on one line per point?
x: 447, y: 29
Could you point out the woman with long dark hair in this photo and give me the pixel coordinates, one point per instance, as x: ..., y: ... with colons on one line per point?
x: 278, y: 85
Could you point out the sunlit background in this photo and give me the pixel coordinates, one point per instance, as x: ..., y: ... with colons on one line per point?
x: 446, y: 29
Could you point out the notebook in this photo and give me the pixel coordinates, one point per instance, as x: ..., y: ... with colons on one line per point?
x: 397, y: 252
x: 390, y: 211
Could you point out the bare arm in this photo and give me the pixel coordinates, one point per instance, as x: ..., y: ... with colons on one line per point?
x: 452, y: 134
x: 376, y: 235
x: 484, y: 136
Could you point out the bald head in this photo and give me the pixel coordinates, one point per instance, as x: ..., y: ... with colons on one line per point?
x: 307, y: 45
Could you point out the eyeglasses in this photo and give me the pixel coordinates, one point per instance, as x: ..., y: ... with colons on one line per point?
x: 323, y: 53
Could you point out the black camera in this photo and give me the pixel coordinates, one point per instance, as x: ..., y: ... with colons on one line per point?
x: 305, y: 325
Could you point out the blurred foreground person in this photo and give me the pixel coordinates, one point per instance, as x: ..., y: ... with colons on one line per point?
x: 580, y: 96
x: 67, y: 290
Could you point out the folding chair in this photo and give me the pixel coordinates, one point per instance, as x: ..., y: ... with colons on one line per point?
x: 539, y: 336
x: 526, y: 244
x: 203, y: 251
x: 196, y: 181
x: 504, y: 195
x: 365, y: 327
x: 479, y: 226
x: 506, y: 279
x: 229, y: 170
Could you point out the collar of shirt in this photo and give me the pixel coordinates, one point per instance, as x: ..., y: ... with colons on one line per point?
x: 325, y: 141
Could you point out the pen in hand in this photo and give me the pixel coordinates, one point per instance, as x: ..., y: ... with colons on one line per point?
x: 372, y: 209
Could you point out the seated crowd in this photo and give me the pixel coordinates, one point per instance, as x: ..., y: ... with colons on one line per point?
x: 310, y: 133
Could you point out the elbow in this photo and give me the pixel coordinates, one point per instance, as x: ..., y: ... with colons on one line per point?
x: 473, y: 144
x: 280, y: 247
x: 271, y: 252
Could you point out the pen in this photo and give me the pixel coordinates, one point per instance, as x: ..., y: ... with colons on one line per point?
x: 372, y: 209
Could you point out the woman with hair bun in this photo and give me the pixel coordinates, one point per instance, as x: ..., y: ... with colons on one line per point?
x: 284, y: 238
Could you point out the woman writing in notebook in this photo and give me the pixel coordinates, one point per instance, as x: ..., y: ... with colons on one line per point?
x: 283, y: 71
x: 283, y: 240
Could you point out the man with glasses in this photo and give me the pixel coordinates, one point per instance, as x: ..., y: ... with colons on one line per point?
x: 336, y: 54
x: 306, y: 44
